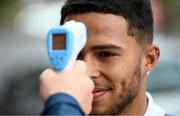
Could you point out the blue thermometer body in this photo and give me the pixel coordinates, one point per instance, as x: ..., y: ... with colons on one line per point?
x: 64, y: 43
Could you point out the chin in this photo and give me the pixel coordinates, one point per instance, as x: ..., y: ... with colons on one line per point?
x: 101, y: 107
x: 98, y: 112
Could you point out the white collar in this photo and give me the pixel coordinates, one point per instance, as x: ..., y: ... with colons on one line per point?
x: 153, y: 109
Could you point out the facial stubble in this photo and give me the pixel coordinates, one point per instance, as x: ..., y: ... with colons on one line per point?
x: 127, y: 95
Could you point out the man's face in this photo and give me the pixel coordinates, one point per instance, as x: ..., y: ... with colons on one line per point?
x: 113, y: 59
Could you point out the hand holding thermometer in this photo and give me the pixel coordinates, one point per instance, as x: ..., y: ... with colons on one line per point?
x: 64, y: 43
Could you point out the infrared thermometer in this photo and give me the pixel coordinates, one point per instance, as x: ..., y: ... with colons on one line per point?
x: 64, y: 43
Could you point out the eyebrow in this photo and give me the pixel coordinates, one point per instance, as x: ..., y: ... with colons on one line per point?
x: 106, y: 46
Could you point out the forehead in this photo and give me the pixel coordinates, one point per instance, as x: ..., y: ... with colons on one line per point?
x: 100, y: 22
x: 104, y: 28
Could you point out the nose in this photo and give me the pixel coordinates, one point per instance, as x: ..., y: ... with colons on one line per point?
x: 93, y: 68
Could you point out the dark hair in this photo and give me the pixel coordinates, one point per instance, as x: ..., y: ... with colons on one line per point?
x: 138, y: 14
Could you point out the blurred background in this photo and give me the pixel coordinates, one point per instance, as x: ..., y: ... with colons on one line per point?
x: 23, y: 28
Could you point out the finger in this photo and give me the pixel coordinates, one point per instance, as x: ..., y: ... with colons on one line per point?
x: 80, y: 66
x: 48, y: 73
x: 92, y: 85
x: 46, y: 77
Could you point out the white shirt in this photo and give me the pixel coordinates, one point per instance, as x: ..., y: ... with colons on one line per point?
x: 153, y: 109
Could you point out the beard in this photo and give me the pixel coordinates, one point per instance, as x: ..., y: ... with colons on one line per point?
x: 127, y: 95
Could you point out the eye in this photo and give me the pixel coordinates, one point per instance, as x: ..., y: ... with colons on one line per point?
x: 106, y: 54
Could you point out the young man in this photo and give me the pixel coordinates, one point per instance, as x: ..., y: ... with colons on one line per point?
x: 119, y: 53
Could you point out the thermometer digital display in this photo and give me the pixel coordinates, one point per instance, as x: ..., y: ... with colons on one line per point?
x: 59, y: 41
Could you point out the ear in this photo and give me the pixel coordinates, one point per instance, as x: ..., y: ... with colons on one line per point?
x: 152, y: 53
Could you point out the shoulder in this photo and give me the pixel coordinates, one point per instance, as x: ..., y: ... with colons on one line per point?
x: 152, y: 108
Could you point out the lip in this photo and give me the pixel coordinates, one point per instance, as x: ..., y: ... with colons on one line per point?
x: 99, y: 92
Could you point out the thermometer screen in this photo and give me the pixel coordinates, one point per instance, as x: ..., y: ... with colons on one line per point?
x: 59, y: 41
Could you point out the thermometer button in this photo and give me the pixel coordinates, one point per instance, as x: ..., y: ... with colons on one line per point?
x: 59, y: 58
x: 53, y: 60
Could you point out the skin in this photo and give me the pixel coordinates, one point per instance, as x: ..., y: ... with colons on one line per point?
x: 116, y: 63
x: 52, y: 82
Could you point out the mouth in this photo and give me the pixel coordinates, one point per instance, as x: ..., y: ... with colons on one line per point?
x: 99, y: 92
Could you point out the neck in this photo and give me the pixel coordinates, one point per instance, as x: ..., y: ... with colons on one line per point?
x: 139, y: 104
